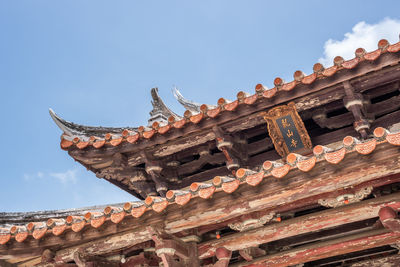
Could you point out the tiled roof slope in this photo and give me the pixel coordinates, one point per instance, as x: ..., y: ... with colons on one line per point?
x: 269, y: 169
x: 133, y: 135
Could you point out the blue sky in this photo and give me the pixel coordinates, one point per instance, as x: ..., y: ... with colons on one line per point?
x: 94, y: 63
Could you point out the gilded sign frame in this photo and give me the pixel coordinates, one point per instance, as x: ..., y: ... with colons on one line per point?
x: 275, y: 133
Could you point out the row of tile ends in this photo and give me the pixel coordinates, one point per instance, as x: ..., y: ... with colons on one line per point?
x: 205, y: 190
x: 223, y: 104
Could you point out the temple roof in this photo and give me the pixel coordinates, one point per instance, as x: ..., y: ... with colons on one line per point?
x: 14, y: 225
x: 164, y: 120
x: 187, y: 168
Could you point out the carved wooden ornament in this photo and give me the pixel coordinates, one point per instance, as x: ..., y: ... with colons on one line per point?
x: 287, y: 130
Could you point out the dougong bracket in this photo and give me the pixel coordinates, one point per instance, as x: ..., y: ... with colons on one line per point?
x: 356, y: 105
x: 230, y: 148
x: 153, y: 168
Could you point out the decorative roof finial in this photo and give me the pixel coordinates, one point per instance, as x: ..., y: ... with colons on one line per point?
x: 160, y: 112
x: 188, y: 104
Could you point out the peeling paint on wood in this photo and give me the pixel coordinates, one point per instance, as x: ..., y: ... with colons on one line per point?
x: 301, y: 225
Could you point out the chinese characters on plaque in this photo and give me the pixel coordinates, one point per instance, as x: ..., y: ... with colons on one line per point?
x: 287, y: 130
x: 290, y: 134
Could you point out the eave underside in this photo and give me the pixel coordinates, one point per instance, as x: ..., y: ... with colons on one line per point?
x: 192, y: 154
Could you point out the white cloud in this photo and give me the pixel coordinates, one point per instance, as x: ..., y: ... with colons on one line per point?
x: 362, y: 35
x: 65, y: 177
x: 69, y: 176
x: 27, y: 177
x: 38, y: 175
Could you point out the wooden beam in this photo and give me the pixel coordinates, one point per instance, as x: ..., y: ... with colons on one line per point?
x: 326, y: 249
x: 300, y: 225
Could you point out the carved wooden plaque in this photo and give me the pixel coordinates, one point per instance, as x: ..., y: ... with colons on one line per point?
x: 287, y: 130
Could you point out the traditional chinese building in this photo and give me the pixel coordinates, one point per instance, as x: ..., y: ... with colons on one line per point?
x: 306, y: 173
